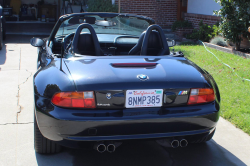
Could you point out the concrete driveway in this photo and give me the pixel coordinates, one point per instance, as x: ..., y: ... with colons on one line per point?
x: 230, y: 146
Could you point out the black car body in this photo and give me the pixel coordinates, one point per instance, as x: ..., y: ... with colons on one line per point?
x: 108, y: 70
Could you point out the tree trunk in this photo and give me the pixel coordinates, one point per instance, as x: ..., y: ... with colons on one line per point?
x: 237, y: 46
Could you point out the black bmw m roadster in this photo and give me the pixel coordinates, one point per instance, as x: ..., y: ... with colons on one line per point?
x: 104, y: 78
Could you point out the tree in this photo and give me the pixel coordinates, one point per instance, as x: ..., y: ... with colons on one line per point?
x: 235, y: 17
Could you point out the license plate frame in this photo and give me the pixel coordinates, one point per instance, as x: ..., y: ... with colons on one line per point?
x: 136, y: 98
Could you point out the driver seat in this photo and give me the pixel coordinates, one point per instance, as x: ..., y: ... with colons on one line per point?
x: 86, y: 43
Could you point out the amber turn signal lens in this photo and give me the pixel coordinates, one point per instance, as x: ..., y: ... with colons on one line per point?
x: 74, y: 99
x: 199, y: 96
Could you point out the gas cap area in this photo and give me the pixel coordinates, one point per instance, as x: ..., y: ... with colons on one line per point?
x: 169, y: 97
x: 175, y: 97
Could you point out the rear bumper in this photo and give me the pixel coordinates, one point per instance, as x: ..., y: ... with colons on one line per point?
x: 67, y: 125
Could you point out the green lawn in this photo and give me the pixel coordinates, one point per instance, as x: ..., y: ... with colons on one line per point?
x: 235, y: 93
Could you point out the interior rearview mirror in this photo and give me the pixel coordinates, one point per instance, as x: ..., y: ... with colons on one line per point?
x: 36, y: 42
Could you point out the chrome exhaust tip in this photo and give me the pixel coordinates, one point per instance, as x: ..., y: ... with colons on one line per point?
x: 111, y: 148
x: 183, y: 143
x: 101, y: 148
x: 175, y: 144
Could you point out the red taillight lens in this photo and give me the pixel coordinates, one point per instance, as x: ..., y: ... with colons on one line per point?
x: 74, y: 99
x: 198, y: 96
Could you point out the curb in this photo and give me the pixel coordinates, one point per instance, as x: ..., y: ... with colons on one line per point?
x: 228, y: 50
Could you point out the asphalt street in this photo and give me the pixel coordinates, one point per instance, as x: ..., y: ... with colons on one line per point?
x: 230, y: 146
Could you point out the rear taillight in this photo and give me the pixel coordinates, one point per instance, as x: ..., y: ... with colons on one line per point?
x: 134, y: 64
x: 74, y: 99
x: 198, y: 96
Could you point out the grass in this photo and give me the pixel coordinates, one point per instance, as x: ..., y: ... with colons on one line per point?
x: 235, y: 93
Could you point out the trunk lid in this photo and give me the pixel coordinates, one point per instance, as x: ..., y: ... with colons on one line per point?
x: 99, y: 74
x: 175, y: 75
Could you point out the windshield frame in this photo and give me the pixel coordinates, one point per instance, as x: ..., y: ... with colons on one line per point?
x: 103, y: 15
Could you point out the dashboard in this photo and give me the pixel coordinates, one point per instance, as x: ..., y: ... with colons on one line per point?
x: 110, y: 44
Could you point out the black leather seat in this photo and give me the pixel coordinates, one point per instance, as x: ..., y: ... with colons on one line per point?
x: 154, y: 47
x: 136, y: 50
x: 86, y: 43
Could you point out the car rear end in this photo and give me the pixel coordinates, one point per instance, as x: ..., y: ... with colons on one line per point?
x: 119, y: 99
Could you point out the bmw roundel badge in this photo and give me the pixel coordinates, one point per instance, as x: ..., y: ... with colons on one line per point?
x: 142, y: 77
x: 108, y: 95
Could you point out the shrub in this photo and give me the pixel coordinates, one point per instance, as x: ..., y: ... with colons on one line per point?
x: 204, y: 33
x: 187, y: 43
x: 217, y: 30
x: 218, y: 40
x: 235, y: 18
x: 101, y: 6
x: 181, y: 24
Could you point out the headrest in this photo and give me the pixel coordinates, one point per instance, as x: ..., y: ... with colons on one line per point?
x: 86, y: 43
x: 154, y: 40
x: 154, y: 44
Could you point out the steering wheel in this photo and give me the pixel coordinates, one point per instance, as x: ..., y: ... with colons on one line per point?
x: 67, y: 42
x: 165, y: 48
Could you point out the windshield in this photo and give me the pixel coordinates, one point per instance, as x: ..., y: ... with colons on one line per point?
x: 119, y: 25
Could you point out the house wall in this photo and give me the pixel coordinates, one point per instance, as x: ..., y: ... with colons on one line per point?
x: 164, y: 12
x: 196, y: 18
x: 202, y: 10
x: 205, y: 7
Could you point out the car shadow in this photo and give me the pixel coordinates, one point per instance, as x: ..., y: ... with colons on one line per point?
x: 145, y: 153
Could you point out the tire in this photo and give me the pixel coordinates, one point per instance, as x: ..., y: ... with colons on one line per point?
x: 4, y: 28
x: 43, y: 145
x: 4, y: 35
x: 1, y: 35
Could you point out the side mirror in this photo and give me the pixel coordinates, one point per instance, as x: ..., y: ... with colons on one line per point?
x: 36, y: 42
x: 171, y: 43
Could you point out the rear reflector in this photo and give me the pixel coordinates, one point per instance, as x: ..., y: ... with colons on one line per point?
x: 133, y: 64
x: 198, y: 96
x: 74, y: 99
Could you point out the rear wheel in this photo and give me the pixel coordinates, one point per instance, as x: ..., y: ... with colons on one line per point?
x: 43, y: 145
x: 4, y: 28
x: 1, y: 35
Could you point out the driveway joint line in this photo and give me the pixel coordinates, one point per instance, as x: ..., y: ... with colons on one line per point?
x: 5, y: 124
x: 18, y: 92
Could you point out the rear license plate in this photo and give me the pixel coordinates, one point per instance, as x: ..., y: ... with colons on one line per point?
x: 144, y: 98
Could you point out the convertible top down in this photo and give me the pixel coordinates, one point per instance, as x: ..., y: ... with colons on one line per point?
x: 104, y: 78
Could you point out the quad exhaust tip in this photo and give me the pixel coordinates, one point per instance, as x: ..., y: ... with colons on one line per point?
x: 175, y: 144
x: 111, y: 148
x: 101, y: 148
x: 183, y: 143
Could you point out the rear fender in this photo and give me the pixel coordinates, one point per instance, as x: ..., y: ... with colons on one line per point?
x: 50, y: 79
